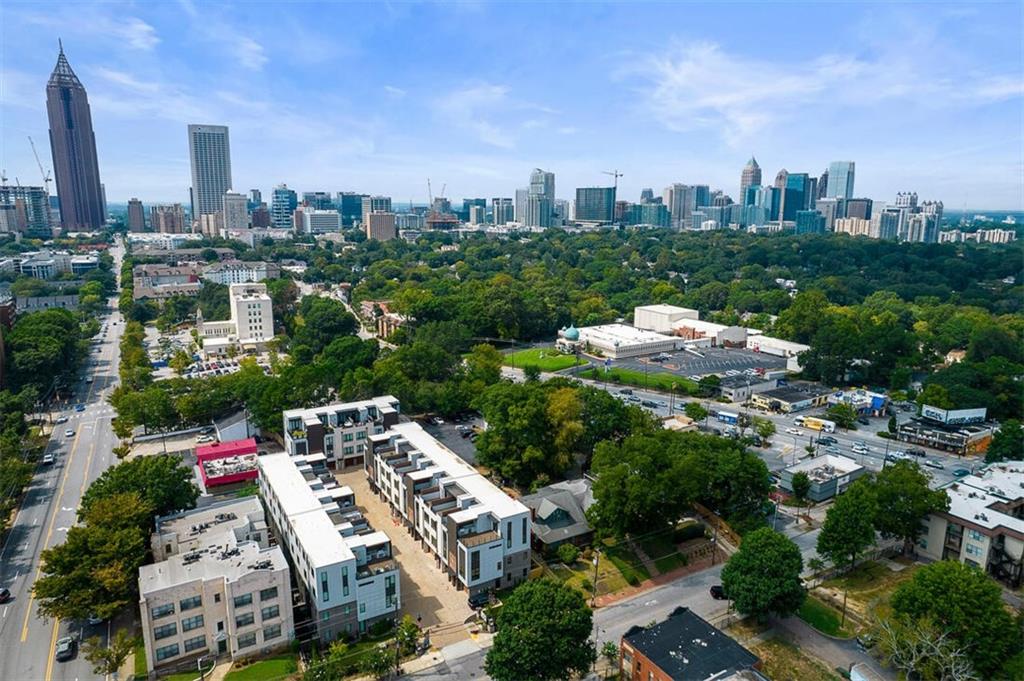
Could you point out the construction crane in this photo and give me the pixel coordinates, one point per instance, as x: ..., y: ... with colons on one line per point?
x: 616, y: 174
x: 46, y: 180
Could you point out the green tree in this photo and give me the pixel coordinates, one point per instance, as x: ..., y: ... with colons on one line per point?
x: 765, y: 428
x: 966, y: 604
x: 160, y: 481
x: 1007, y: 444
x: 107, y: 659
x: 707, y: 386
x: 531, y: 372
x: 407, y: 634
x: 849, y: 527
x: 543, y: 634
x: 893, y: 425
x: 695, y: 411
x: 379, y: 663
x: 763, y: 577
x: 610, y: 653
x: 568, y: 553
x: 180, y: 361
x: 936, y: 396
x: 801, y: 484
x: 844, y: 415
x: 904, y: 500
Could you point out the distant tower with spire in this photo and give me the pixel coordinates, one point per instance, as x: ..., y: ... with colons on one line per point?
x: 73, y: 146
x: 751, y: 177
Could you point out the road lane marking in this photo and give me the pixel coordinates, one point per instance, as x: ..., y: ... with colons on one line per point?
x: 49, y: 655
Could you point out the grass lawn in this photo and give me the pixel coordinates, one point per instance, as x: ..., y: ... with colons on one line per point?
x: 662, y: 550
x: 140, y: 659
x: 627, y: 562
x: 659, y: 380
x: 785, y: 662
x: 871, y: 584
x: 277, y: 667
x: 609, y: 577
x: 545, y: 359
x: 189, y: 675
x: 822, y: 617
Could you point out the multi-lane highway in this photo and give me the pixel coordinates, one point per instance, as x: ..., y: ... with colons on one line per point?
x: 49, y: 509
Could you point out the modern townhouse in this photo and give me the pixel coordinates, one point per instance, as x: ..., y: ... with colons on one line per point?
x: 339, y: 432
x: 984, y: 525
x: 343, y: 567
x: 217, y: 586
x: 478, y: 535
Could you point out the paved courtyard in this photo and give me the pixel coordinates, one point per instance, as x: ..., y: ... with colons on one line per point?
x: 426, y: 592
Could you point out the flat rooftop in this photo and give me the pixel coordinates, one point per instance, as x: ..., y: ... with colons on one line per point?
x: 825, y: 467
x: 621, y: 333
x: 985, y: 498
x: 382, y: 402
x: 796, y: 393
x: 662, y: 308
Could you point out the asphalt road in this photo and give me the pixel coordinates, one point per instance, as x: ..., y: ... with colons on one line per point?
x: 48, y: 511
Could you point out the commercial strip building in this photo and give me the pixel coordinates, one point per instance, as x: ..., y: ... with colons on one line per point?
x: 339, y: 432
x: 984, y: 525
x: 864, y: 402
x: 343, y: 567
x: 740, y: 388
x: 960, y: 431
x: 251, y: 324
x: 830, y: 475
x: 614, y: 340
x: 685, y: 647
x: 477, y: 534
x: 216, y: 586
x: 792, y: 398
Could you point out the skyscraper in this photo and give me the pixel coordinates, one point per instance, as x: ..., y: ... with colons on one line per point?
x: 823, y: 185
x: 375, y: 204
x: 522, y: 198
x: 210, y: 154
x: 679, y: 199
x: 282, y: 207
x: 542, y: 183
x: 595, y: 204
x: 167, y: 219
x: 318, y: 200
x: 236, y: 211
x: 502, y: 210
x: 73, y: 146
x: 136, y: 216
x: 840, y: 180
x: 350, y: 205
x: 540, y: 211
x: 751, y: 176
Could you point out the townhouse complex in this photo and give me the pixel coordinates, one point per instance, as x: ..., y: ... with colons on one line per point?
x: 217, y: 586
x: 343, y: 567
x: 478, y: 535
x: 338, y: 433
x: 984, y: 525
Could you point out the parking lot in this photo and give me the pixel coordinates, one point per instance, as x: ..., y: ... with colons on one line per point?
x: 714, y: 361
x: 449, y: 434
x: 427, y: 594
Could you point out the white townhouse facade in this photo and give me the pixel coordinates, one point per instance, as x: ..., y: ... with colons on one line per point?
x: 478, y: 535
x: 216, y: 587
x: 343, y: 567
x: 340, y: 432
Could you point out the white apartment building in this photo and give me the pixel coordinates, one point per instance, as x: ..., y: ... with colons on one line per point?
x: 319, y: 221
x: 479, y: 535
x: 216, y: 587
x: 853, y: 226
x: 984, y: 525
x: 251, y: 324
x: 343, y: 567
x: 238, y: 272
x: 341, y: 431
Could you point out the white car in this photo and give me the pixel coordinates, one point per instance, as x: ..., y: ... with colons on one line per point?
x: 69, y: 433
x: 203, y: 439
x: 794, y: 431
x: 862, y: 450
x: 62, y: 419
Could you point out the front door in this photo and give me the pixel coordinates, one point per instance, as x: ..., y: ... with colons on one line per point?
x: 222, y: 646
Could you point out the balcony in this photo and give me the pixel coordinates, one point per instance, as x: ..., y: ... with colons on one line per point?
x: 471, y: 540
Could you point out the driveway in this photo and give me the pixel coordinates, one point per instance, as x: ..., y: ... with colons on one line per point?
x: 426, y: 592
x: 836, y: 653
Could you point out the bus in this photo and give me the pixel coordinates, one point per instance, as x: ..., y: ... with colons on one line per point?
x: 727, y: 417
x: 819, y: 424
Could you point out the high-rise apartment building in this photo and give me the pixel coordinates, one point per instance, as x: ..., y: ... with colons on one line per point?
x: 467, y: 206
x: 857, y: 208
x: 840, y: 180
x: 235, y: 208
x: 169, y: 219
x: 477, y: 215
x: 595, y: 204
x: 539, y: 211
x: 503, y: 211
x: 25, y: 210
x: 375, y: 204
x: 889, y: 222
x: 136, y: 216
x: 283, y: 203
x: 906, y: 200
x: 680, y: 202
x: 255, y: 199
x: 853, y: 226
x: 210, y: 155
x: 380, y: 226
x: 73, y: 147
x: 830, y: 210
x: 542, y: 183
x: 522, y: 198
x: 751, y: 176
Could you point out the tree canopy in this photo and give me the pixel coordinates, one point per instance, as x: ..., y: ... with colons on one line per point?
x: 763, y: 577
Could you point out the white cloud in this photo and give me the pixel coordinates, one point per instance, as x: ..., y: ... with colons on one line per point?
x: 130, y: 31
x: 467, y: 108
x: 394, y: 92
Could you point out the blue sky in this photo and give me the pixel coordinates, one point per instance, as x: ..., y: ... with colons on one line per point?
x: 377, y: 97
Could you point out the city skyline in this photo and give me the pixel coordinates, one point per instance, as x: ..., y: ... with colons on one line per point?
x: 913, y: 111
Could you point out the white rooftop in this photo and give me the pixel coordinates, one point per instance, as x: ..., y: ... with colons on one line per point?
x: 382, y: 402
x: 661, y: 308
x: 699, y: 325
x: 487, y: 495
x: 826, y: 467
x: 972, y: 498
x: 620, y: 333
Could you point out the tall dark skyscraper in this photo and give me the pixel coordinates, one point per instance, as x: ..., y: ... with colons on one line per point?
x: 73, y: 146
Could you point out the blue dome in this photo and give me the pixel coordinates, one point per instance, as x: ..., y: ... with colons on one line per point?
x: 571, y: 334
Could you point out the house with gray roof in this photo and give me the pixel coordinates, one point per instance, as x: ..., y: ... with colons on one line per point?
x: 559, y: 514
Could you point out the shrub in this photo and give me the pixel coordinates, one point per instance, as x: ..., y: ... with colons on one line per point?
x: 568, y: 553
x: 632, y: 580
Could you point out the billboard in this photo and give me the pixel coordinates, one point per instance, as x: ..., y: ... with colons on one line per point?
x: 953, y: 417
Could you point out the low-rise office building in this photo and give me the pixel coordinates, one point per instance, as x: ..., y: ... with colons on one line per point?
x: 217, y: 586
x: 791, y: 398
x: 477, y: 534
x: 740, y: 388
x: 830, y: 475
x: 340, y: 431
x: 251, y: 324
x: 343, y: 567
x: 984, y: 525
x: 156, y: 281
x: 238, y: 272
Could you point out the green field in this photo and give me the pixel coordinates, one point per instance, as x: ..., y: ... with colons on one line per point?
x: 658, y: 380
x: 822, y: 617
x: 271, y: 668
x: 545, y: 359
x: 627, y: 562
x: 662, y: 550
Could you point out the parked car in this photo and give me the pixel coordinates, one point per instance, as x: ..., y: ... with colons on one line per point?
x: 718, y: 592
x: 863, y: 421
x: 79, y: 407
x: 479, y: 600
x: 933, y: 463
x: 66, y: 648
x: 206, y: 430
x: 5, y: 595
x: 48, y: 459
x: 961, y: 472
x: 93, y: 619
x: 203, y: 439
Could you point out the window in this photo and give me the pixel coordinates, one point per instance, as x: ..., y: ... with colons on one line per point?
x: 361, y: 435
x: 347, y: 437
x: 245, y: 599
x: 195, y: 643
x: 344, y: 581
x: 975, y: 535
x: 165, y: 630
x: 348, y: 450
x: 247, y: 640
x: 162, y: 611
x: 508, y: 535
x: 325, y: 588
x: 267, y: 594
x: 166, y: 652
x: 245, y: 620
x: 324, y: 616
x: 973, y: 550
x: 525, y: 535
x: 190, y: 623
x: 474, y: 566
x: 271, y: 632
x: 189, y: 603
x: 220, y: 626
x: 270, y: 613
x: 362, y: 608
x: 216, y: 598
